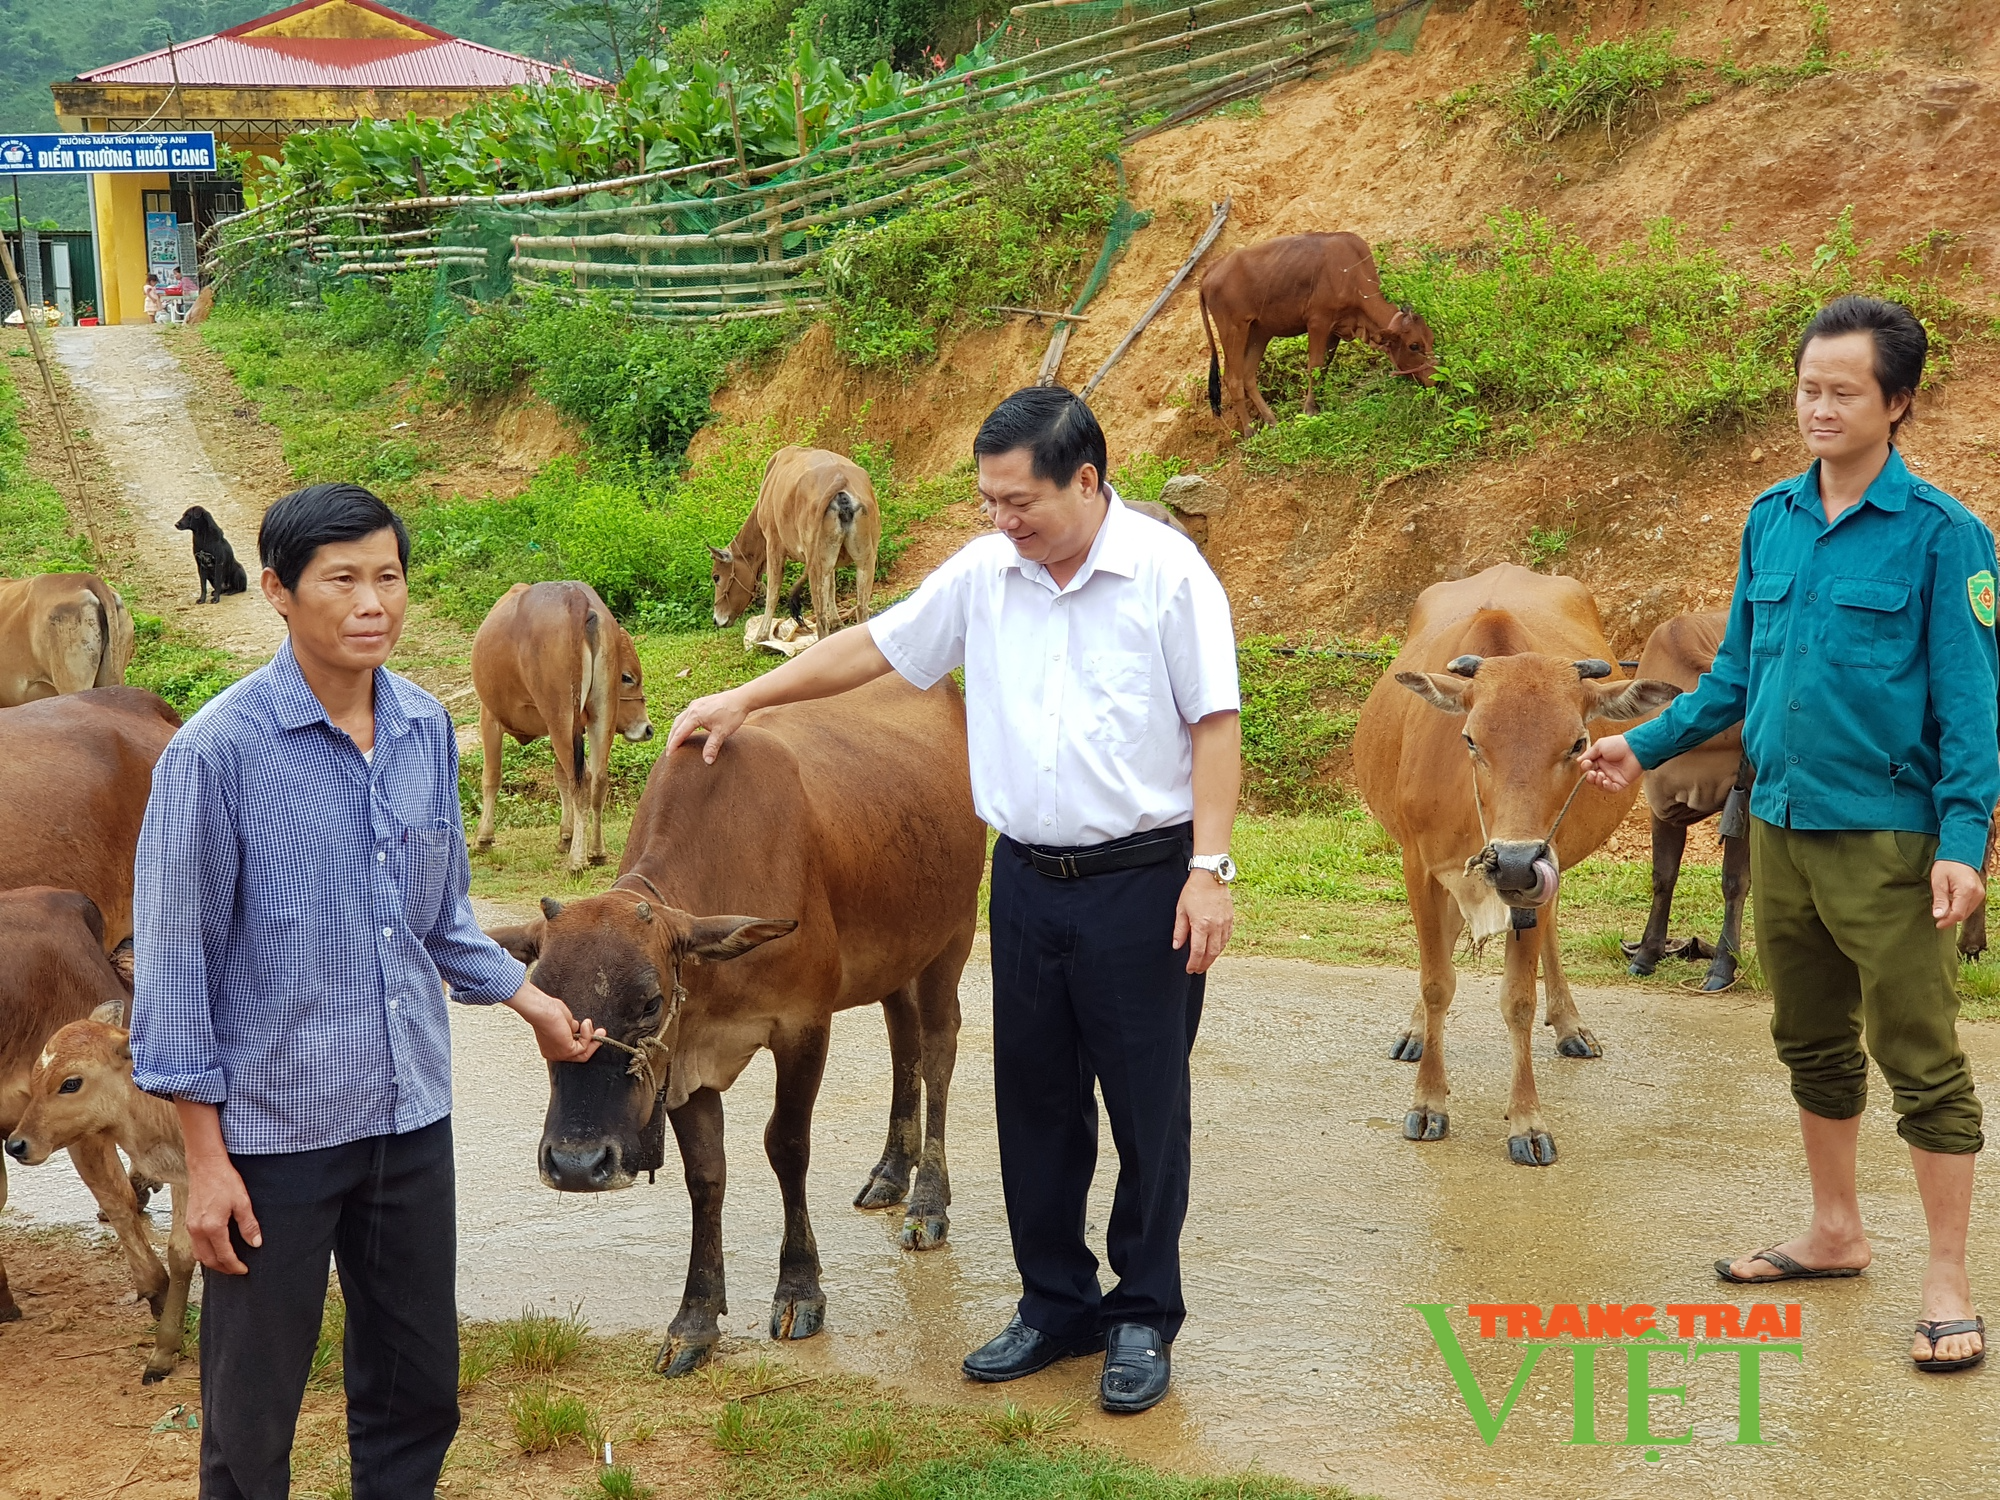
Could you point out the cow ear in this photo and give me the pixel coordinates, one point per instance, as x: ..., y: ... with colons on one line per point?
x: 718, y: 938
x: 1628, y: 700
x: 110, y: 1013
x: 524, y: 942
x: 720, y: 554
x: 1439, y: 689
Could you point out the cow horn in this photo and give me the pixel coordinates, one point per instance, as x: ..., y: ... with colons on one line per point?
x: 1464, y: 666
x: 644, y: 911
x: 1591, y: 667
x: 551, y: 908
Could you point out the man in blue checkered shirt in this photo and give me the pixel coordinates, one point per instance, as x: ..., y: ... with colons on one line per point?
x: 300, y: 905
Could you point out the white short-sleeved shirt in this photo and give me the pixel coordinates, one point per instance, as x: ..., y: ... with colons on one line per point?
x: 1078, y: 700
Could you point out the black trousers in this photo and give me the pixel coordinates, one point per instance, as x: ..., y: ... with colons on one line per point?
x: 1088, y: 989
x: 385, y: 1210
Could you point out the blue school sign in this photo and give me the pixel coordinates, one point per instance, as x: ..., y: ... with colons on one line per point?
x: 109, y: 151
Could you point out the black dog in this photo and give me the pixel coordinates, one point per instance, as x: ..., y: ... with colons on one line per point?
x: 214, y: 559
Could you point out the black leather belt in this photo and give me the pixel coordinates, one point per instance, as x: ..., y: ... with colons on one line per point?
x: 1155, y: 846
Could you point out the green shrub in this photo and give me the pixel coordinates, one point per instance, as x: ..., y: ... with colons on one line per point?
x: 1048, y: 193
x: 181, y: 670
x: 1590, y: 83
x: 481, y: 353
x: 1144, y: 476
x: 35, y: 531
x: 618, y: 1482
x: 539, y: 1343
x: 544, y: 1421
x: 1299, y: 710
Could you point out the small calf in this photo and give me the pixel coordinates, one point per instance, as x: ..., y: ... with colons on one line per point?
x: 214, y: 559
x: 82, y: 1086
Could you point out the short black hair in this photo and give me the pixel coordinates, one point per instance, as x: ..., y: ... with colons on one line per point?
x: 296, y: 527
x: 1053, y: 423
x: 1901, y: 345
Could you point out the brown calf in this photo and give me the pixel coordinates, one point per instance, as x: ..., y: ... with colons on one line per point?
x: 813, y: 506
x: 56, y: 973
x: 61, y: 633
x: 79, y: 769
x: 1325, y: 286
x: 549, y: 659
x: 81, y: 1089
x: 845, y: 828
x: 1467, y: 752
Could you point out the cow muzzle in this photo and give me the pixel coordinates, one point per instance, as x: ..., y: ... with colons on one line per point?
x: 1522, y: 871
x: 640, y: 735
x: 584, y: 1166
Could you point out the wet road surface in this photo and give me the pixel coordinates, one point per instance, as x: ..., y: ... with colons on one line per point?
x: 1313, y: 1223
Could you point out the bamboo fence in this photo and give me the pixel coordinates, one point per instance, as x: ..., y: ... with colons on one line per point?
x: 721, y: 239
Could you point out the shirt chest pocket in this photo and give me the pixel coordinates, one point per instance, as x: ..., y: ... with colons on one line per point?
x: 1770, y: 615
x: 1871, y: 624
x: 1117, y: 690
x: 423, y: 867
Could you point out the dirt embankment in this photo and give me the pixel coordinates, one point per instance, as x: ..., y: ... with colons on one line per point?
x: 1906, y: 129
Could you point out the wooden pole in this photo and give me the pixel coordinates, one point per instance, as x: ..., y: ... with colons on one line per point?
x: 30, y: 318
x: 736, y: 127
x: 1173, y: 285
x: 799, y: 110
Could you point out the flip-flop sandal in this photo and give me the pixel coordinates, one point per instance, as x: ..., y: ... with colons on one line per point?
x: 1788, y: 1270
x: 1944, y: 1328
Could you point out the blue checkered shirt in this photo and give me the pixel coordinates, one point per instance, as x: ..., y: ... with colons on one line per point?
x: 295, y: 911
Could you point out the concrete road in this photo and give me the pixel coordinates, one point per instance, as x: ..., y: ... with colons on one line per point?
x: 1313, y: 1225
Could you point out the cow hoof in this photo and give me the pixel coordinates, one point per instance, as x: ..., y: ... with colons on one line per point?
x: 1579, y: 1044
x: 9, y: 1312
x: 600, y: 859
x: 1537, y: 1150
x: 882, y: 1190
x: 153, y: 1376
x: 1642, y: 966
x: 797, y: 1317
x: 1717, y: 981
x: 925, y: 1231
x: 1426, y: 1125
x: 678, y: 1356
x: 484, y: 844
x: 1409, y: 1047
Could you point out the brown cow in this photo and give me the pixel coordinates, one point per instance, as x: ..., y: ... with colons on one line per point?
x: 78, y: 771
x: 56, y: 973
x: 1479, y: 784
x: 81, y: 1089
x: 549, y: 659
x: 61, y: 633
x: 1714, y: 777
x: 1325, y: 286
x: 813, y: 506
x: 846, y: 827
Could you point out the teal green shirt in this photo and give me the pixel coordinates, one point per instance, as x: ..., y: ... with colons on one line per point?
x: 1860, y: 658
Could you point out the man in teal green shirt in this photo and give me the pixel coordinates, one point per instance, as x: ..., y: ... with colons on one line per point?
x: 1860, y: 656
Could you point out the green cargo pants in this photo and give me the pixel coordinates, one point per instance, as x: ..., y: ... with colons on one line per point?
x: 1848, y: 945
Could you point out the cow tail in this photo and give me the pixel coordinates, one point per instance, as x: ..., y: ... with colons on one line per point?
x: 1214, y: 359
x: 106, y: 646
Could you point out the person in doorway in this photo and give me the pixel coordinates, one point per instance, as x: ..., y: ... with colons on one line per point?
x: 300, y: 893
x: 1860, y: 656
x: 156, y: 297
x: 1101, y: 705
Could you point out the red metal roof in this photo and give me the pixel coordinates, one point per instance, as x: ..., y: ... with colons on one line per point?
x: 230, y: 59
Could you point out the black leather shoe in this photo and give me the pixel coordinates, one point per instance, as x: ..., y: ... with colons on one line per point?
x: 1021, y: 1350
x: 1137, y: 1369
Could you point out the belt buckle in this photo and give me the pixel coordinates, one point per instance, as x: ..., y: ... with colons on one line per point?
x: 1068, y: 863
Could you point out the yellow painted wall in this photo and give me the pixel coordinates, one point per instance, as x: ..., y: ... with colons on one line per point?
x: 121, y: 240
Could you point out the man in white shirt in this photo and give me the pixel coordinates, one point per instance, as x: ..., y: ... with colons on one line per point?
x: 1102, y: 712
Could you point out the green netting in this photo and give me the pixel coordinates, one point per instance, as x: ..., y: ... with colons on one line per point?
x: 753, y: 242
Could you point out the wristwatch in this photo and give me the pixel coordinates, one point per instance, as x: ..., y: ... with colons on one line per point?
x: 1221, y: 866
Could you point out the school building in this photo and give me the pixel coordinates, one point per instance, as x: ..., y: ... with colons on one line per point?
x: 317, y: 63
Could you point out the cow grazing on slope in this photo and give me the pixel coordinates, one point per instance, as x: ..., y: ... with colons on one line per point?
x: 1467, y: 752
x: 1325, y: 286
x: 79, y: 769
x: 549, y: 659
x: 845, y: 829
x: 81, y: 1089
x: 813, y: 506
x: 1711, y: 778
x: 61, y: 633
x: 56, y: 973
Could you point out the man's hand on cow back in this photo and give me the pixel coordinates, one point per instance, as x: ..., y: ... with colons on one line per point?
x: 558, y: 1034
x: 1610, y: 764
x: 721, y: 714
x: 215, y: 1191
x: 1203, y: 920
x: 1956, y: 892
